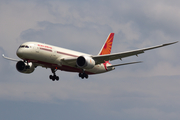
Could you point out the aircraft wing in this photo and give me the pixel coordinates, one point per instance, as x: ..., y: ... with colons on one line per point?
x: 9, y: 58
x: 101, y: 58
x: 109, y: 57
x: 70, y: 61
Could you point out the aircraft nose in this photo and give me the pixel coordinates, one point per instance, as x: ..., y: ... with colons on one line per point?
x: 19, y: 53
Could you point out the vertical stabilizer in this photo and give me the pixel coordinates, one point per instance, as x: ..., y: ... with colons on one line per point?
x: 106, y: 49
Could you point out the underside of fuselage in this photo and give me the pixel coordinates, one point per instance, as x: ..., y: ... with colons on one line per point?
x: 59, y: 67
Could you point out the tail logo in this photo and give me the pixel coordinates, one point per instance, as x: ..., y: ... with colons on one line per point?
x: 106, y: 49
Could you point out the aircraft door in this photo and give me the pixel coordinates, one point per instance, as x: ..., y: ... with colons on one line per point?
x: 36, y: 48
x: 53, y: 55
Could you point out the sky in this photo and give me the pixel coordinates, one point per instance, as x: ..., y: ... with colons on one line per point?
x: 145, y: 91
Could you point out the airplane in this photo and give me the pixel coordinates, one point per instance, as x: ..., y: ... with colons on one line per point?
x: 35, y: 54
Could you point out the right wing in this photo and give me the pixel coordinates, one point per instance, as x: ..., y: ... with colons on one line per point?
x: 102, y: 58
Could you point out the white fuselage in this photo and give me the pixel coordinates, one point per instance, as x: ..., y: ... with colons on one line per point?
x: 50, y: 56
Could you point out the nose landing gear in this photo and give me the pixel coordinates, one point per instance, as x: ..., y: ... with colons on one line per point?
x: 27, y: 64
x: 54, y: 77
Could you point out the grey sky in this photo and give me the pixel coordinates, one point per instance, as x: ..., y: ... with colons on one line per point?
x: 149, y: 90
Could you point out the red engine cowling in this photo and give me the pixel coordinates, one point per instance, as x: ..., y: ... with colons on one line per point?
x: 24, y: 67
x: 85, y: 62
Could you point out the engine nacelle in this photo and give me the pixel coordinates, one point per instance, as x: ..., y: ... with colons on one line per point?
x: 24, y: 68
x: 85, y: 62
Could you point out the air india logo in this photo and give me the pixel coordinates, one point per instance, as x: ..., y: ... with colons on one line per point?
x: 108, y: 45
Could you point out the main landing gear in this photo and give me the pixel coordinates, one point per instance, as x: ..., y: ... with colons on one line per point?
x: 83, y: 75
x: 53, y: 77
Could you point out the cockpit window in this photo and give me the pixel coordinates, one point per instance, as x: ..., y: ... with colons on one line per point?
x: 23, y: 46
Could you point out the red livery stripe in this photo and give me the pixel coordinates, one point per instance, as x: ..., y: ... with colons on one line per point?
x: 46, y: 49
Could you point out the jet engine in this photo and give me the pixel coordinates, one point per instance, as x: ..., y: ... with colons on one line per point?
x: 23, y: 67
x: 85, y: 62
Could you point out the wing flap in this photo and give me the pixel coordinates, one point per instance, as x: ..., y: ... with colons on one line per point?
x: 124, y: 64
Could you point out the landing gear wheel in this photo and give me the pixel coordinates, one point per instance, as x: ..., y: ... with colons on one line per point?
x: 53, y: 77
x: 50, y: 77
x: 83, y: 75
x: 57, y: 78
x: 80, y: 74
x: 86, y: 76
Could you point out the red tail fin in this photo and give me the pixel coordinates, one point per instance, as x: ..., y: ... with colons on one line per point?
x: 106, y: 49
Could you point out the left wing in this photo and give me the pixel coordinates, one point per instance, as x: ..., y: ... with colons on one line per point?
x: 101, y: 58
x: 109, y: 57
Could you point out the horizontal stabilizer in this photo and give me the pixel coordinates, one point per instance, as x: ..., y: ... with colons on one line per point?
x: 124, y: 64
